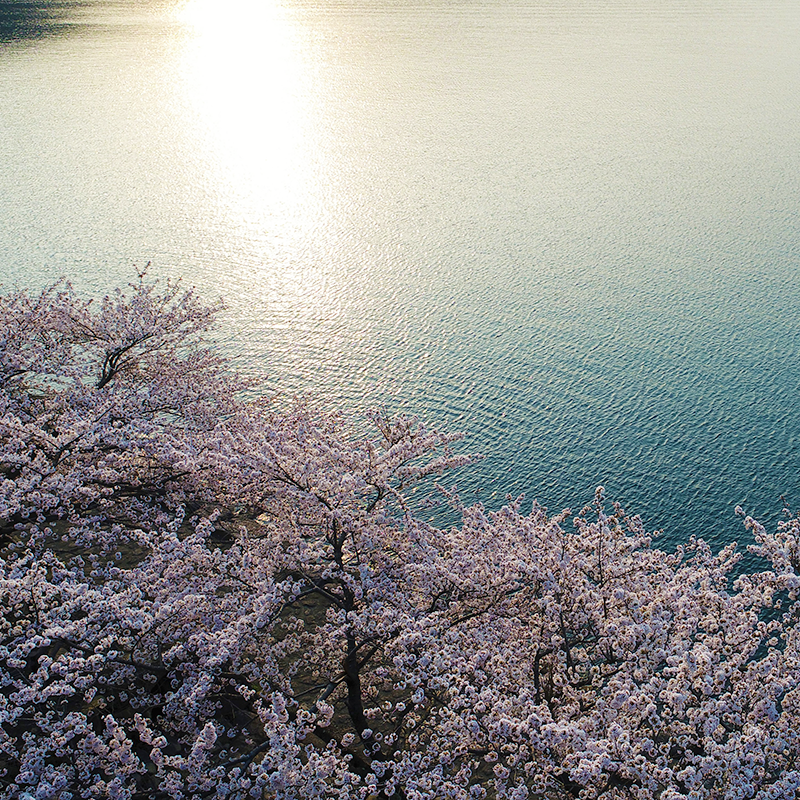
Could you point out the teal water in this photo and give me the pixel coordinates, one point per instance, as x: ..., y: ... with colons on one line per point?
x: 569, y: 229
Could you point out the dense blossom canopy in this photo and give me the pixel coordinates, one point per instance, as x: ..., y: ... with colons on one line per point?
x: 207, y: 595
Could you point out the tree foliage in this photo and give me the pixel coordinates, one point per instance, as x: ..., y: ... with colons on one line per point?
x: 206, y: 596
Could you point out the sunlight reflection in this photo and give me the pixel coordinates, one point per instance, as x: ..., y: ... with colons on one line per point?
x: 244, y: 72
x: 249, y: 78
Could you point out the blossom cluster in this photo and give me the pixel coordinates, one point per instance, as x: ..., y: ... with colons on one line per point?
x: 207, y: 595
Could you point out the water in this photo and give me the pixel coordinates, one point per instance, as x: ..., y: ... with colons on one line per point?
x: 566, y: 228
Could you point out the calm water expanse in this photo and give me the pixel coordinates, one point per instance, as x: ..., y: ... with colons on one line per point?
x: 569, y: 228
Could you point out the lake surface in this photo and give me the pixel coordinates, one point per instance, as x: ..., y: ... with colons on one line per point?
x: 569, y: 229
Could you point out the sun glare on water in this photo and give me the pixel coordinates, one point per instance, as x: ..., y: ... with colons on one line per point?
x: 249, y: 82
x: 244, y: 75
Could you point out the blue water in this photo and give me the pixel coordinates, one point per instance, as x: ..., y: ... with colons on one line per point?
x: 569, y: 229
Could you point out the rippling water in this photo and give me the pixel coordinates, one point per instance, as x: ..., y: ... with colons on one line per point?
x: 567, y: 228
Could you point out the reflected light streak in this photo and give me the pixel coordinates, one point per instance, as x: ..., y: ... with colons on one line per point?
x: 248, y: 81
x: 244, y: 76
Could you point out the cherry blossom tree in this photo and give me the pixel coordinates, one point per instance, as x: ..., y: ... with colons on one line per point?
x: 207, y: 595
